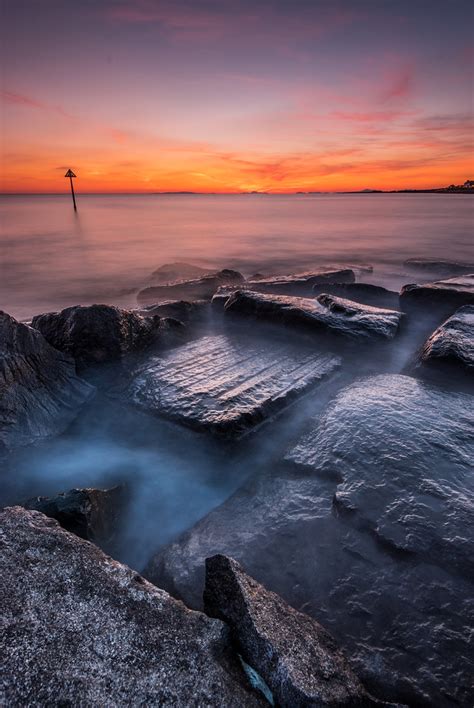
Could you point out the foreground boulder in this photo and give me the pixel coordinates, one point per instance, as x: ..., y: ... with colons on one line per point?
x: 96, y: 333
x: 451, y: 347
x: 81, y: 629
x: 441, y: 296
x: 365, y: 293
x: 300, y: 283
x: 198, y: 289
x: 92, y: 514
x: 228, y: 385
x: 384, y: 566
x: 40, y: 393
x: 326, y: 314
x: 296, y: 656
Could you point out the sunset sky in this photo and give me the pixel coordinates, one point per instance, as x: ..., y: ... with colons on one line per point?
x: 146, y: 95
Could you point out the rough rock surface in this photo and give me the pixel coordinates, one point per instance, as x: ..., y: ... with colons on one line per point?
x: 92, y: 514
x: 81, y: 629
x: 181, y: 310
x: 198, y: 289
x: 326, y: 313
x: 398, y: 453
x: 96, y: 333
x: 452, y: 344
x: 228, y: 385
x: 295, y: 655
x: 40, y: 393
x: 445, y: 296
x: 439, y: 266
x: 361, y: 292
x: 300, y: 283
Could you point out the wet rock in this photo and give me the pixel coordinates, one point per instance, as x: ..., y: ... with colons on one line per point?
x: 361, y: 292
x: 40, y: 393
x: 92, y: 514
x: 198, y: 289
x: 295, y: 655
x: 81, y: 629
x: 96, y: 333
x: 325, y: 314
x: 170, y: 272
x: 442, y: 296
x: 181, y: 310
x: 300, y: 283
x: 451, y: 346
x: 228, y: 385
x: 440, y: 266
x: 384, y: 566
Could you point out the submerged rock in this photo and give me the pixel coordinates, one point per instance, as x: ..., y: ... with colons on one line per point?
x: 361, y: 292
x: 228, y: 385
x: 326, y: 313
x: 444, y: 296
x: 170, y: 272
x: 451, y: 346
x: 81, y: 629
x: 297, y: 657
x: 300, y: 283
x: 40, y: 393
x: 440, y: 266
x: 92, y: 514
x: 389, y: 578
x: 198, y: 289
x: 96, y: 333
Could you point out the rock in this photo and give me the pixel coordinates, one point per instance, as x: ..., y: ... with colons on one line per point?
x: 96, y: 333
x: 300, y: 283
x: 440, y: 266
x: 295, y: 655
x: 443, y: 296
x: 198, y: 289
x: 80, y: 629
x: 40, y: 393
x: 92, y: 514
x: 361, y: 292
x: 451, y: 347
x: 326, y: 314
x: 228, y: 385
x: 170, y: 272
x: 181, y: 310
x: 368, y: 529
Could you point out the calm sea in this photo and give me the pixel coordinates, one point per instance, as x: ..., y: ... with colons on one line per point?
x: 52, y: 257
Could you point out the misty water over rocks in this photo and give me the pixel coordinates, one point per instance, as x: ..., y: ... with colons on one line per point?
x: 331, y: 466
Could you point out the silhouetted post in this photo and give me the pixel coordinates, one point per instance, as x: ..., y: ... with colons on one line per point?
x: 71, y: 174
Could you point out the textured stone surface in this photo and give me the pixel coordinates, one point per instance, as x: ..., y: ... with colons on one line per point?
x: 361, y: 292
x: 197, y: 289
x: 389, y: 578
x: 228, y: 385
x: 300, y: 283
x: 452, y: 344
x: 181, y: 310
x: 40, y: 393
x: 296, y: 656
x: 80, y: 629
x: 440, y: 266
x: 96, y: 333
x: 443, y: 295
x: 325, y: 314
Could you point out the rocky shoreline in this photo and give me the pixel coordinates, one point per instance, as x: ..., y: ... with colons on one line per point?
x: 357, y: 538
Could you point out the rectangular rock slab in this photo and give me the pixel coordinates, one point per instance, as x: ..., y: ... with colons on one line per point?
x: 227, y: 385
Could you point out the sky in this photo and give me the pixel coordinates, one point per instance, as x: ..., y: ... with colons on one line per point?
x: 230, y: 96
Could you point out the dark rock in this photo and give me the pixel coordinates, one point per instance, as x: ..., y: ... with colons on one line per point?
x: 197, y: 289
x: 40, y: 393
x: 80, y: 629
x: 300, y: 283
x: 228, y: 385
x: 361, y: 292
x: 170, y: 272
x: 326, y: 313
x: 296, y: 656
x: 92, y: 514
x: 96, y: 333
x: 451, y: 346
x: 440, y: 266
x: 388, y: 578
x: 443, y: 296
x: 181, y: 310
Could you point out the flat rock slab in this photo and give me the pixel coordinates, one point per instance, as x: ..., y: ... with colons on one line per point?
x: 228, y: 385
x: 365, y: 293
x: 40, y: 393
x: 440, y: 266
x: 325, y: 314
x: 445, y: 296
x: 452, y: 344
x: 402, y: 452
x: 196, y: 289
x: 296, y: 656
x: 300, y: 282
